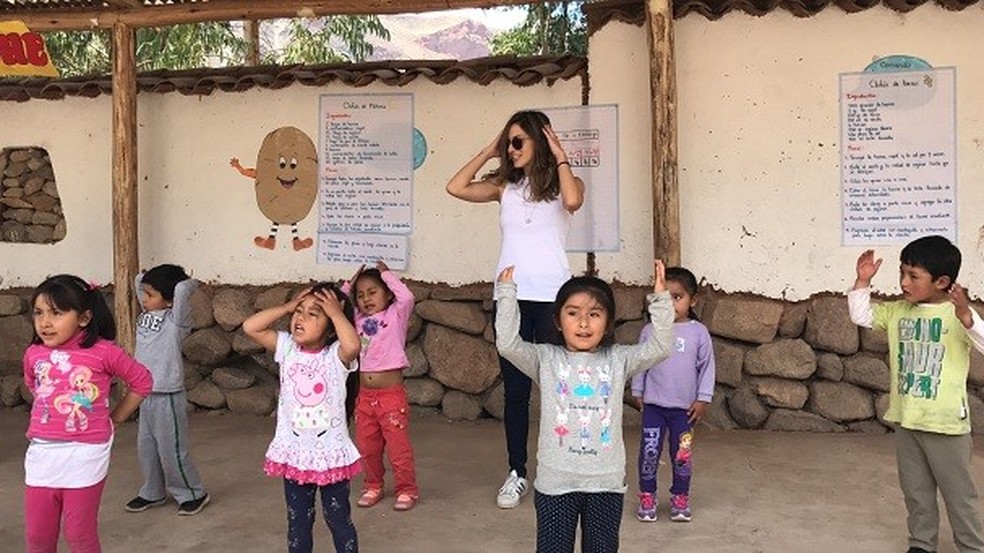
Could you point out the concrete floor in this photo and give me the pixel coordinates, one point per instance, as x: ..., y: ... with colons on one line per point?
x: 752, y: 492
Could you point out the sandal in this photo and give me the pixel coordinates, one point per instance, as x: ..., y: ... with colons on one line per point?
x: 370, y: 497
x: 404, y: 502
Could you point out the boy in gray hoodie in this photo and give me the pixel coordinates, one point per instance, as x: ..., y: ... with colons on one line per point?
x: 162, y: 435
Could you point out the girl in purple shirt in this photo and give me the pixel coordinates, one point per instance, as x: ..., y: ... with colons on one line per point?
x: 673, y: 397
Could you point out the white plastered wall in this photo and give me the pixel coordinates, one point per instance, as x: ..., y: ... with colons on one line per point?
x: 758, y: 114
x: 197, y: 211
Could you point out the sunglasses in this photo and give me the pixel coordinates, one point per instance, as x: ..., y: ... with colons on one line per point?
x: 516, y: 142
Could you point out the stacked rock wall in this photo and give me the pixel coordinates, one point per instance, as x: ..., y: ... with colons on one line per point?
x: 30, y: 209
x: 780, y: 365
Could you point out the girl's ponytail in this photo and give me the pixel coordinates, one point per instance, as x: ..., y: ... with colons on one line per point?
x: 102, y: 325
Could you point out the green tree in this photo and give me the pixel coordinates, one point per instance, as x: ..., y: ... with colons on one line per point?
x: 550, y: 28
x: 215, y: 44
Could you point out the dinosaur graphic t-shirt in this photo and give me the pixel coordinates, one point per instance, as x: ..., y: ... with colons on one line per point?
x: 929, y: 356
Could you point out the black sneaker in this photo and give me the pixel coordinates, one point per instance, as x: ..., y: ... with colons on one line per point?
x: 917, y: 550
x: 139, y: 504
x: 194, y: 506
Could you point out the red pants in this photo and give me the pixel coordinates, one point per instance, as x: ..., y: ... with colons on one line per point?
x: 382, y: 418
x: 46, y: 509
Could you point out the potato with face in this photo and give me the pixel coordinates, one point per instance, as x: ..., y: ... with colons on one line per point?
x: 286, y: 177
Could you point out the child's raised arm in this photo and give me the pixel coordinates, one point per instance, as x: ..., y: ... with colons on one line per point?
x: 257, y: 326
x: 507, y: 340
x: 658, y: 346
x: 181, y: 307
x: 859, y: 298
x: 866, y: 269
x: 402, y: 296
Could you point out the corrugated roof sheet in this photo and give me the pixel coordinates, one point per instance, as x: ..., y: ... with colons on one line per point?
x: 519, y: 71
x: 634, y: 11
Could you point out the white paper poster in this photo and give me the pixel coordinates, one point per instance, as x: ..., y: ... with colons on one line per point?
x: 589, y: 135
x: 366, y: 174
x: 898, y: 156
x: 364, y: 249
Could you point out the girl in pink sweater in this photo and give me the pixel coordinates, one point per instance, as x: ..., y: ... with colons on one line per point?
x: 68, y: 368
x: 382, y: 413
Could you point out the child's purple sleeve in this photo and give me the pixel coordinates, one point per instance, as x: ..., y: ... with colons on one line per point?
x: 705, y: 368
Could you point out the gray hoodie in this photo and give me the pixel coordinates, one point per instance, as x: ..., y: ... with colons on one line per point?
x: 159, y: 337
x: 580, y: 447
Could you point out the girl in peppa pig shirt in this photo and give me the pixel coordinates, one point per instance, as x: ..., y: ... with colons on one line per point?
x: 311, y: 448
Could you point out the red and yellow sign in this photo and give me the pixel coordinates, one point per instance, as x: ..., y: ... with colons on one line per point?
x: 22, y: 52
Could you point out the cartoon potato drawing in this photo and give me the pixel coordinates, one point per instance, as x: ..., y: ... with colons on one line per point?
x: 286, y: 177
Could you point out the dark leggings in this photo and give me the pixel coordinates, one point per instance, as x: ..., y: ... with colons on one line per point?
x: 557, y: 516
x: 301, y: 511
x: 536, y: 325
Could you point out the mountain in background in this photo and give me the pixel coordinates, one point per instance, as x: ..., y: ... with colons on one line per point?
x: 442, y: 37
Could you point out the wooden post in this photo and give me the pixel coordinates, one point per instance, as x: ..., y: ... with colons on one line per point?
x: 125, y: 258
x: 251, y: 29
x: 662, y: 71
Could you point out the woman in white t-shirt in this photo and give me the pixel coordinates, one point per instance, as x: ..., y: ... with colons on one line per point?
x: 537, y: 193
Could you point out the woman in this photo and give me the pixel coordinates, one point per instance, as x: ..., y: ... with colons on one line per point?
x: 537, y: 193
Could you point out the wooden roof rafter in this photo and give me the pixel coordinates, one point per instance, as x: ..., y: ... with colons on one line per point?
x: 67, y: 15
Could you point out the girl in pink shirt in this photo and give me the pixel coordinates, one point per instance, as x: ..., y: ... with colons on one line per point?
x: 382, y: 413
x: 68, y: 368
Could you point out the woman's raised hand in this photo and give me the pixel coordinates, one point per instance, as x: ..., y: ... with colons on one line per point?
x: 554, y: 142
x: 492, y: 150
x: 507, y: 274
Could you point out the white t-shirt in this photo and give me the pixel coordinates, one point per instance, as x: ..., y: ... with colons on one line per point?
x: 534, y: 235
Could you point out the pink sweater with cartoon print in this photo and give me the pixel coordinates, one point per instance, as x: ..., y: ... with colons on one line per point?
x: 71, y: 386
x: 384, y: 335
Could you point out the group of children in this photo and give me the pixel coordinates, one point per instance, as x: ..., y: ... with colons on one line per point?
x: 348, y: 343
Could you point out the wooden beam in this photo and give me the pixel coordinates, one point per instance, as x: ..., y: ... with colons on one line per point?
x: 125, y: 259
x: 662, y: 71
x: 233, y: 10
x: 251, y: 30
x: 125, y: 4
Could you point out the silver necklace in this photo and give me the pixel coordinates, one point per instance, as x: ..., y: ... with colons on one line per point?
x: 529, y: 200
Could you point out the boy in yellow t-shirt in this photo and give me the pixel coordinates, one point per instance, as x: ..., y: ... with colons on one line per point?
x: 930, y: 333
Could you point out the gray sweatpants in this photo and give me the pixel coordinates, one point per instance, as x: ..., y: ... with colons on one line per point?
x: 162, y: 447
x: 927, y: 462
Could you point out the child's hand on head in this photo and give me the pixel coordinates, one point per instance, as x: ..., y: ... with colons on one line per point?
x: 296, y: 300
x: 867, y: 267
x: 507, y: 274
x: 382, y: 266
x: 328, y: 303
x: 697, y: 411
x: 659, y: 276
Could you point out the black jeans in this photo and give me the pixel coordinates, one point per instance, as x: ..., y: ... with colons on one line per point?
x: 536, y: 324
x: 301, y: 511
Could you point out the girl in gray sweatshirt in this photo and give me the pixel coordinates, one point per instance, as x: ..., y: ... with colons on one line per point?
x: 580, y: 454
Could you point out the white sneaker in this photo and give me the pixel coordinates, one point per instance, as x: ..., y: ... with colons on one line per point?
x: 511, y: 492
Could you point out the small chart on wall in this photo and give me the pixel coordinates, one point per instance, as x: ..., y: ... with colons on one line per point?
x: 898, y: 155
x: 366, y: 144
x: 589, y: 135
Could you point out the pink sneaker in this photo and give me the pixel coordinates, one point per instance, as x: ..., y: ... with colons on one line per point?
x: 647, y: 507
x: 680, y: 508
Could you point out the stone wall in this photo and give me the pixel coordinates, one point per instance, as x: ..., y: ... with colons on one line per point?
x: 30, y: 209
x: 780, y: 365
